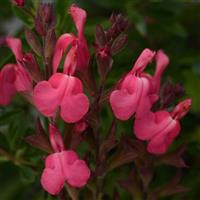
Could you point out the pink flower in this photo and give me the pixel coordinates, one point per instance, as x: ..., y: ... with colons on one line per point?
x: 138, y: 90
x: 23, y: 82
x: 161, y: 128
x: 7, y: 87
x: 61, y: 91
x: 78, y: 55
x: 14, y: 74
x: 132, y: 95
x: 63, y: 166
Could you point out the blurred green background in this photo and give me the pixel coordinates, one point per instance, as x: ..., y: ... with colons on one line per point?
x: 170, y: 25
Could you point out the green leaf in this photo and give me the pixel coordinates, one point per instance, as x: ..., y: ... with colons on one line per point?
x: 27, y: 175
x: 23, y: 16
x: 192, y: 86
x: 8, y: 115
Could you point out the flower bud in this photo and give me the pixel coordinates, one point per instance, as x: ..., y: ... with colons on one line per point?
x: 45, y: 18
x: 56, y: 139
x: 104, y: 61
x: 50, y: 41
x: 39, y: 26
x: 33, y: 42
x: 18, y: 2
x: 100, y: 37
x: 179, y: 91
x: 32, y: 66
x: 169, y: 93
x: 119, y: 43
x: 181, y: 109
x: 80, y: 127
x: 119, y: 25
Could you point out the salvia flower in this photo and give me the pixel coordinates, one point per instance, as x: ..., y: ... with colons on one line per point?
x: 161, y: 128
x: 7, y: 87
x: 62, y: 166
x: 23, y: 82
x: 15, y: 74
x: 45, y: 19
x: 63, y: 90
x: 138, y: 90
x: 78, y: 52
x: 133, y: 89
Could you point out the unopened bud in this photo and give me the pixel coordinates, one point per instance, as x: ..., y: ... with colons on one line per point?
x: 18, y: 2
x: 181, y: 109
x: 50, y: 41
x: 119, y: 43
x: 80, y: 127
x: 100, y: 37
x: 112, y: 18
x: 33, y: 42
x: 32, y: 66
x: 179, y: 91
x: 56, y: 139
x: 45, y: 18
x: 39, y: 27
x: 119, y: 25
x: 169, y: 93
x: 104, y: 61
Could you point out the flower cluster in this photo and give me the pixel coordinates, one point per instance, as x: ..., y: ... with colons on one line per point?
x: 137, y: 93
x: 61, y: 92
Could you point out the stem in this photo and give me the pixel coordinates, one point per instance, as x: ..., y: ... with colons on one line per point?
x: 62, y: 195
x: 72, y: 192
x: 99, y: 180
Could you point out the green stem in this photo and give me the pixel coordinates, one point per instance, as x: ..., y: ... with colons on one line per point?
x: 73, y: 193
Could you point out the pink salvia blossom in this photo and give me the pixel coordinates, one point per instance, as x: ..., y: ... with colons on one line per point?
x: 64, y: 92
x: 134, y: 91
x: 15, y: 45
x: 14, y: 77
x: 138, y: 91
x: 7, y: 88
x: 23, y: 81
x: 78, y: 55
x: 161, y: 128
x: 63, y: 166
